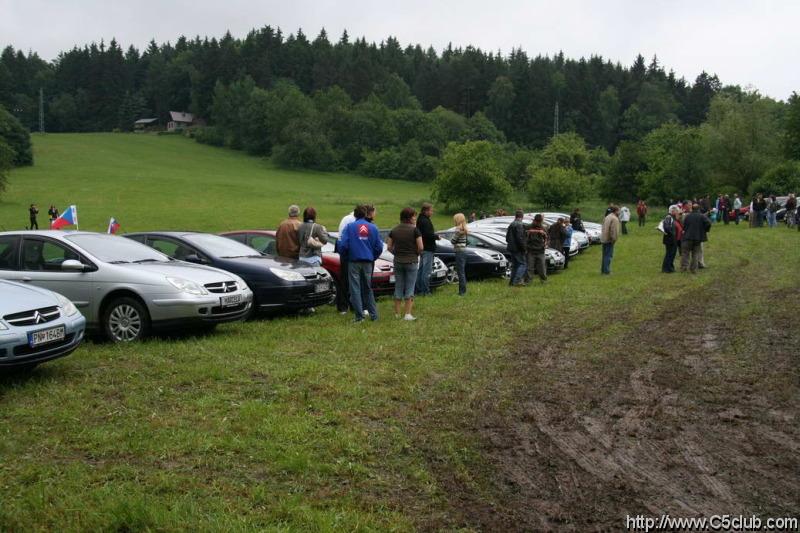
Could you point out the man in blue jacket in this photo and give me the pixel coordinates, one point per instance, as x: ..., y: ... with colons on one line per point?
x: 362, y: 243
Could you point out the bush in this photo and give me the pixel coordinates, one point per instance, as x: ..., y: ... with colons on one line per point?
x: 555, y: 187
x: 779, y: 180
x: 405, y: 162
x: 16, y: 137
x: 304, y: 146
x: 206, y: 135
x: 7, y: 156
x: 471, y: 177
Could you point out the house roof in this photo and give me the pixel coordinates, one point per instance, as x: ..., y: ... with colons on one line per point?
x: 146, y: 121
x: 180, y: 116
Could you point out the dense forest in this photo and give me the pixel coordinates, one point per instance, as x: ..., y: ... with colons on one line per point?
x: 391, y: 111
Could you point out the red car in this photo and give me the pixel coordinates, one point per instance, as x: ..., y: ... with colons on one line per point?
x: 264, y: 242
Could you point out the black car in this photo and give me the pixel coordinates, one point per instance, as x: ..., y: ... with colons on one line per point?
x: 277, y: 283
x: 480, y: 263
x: 491, y: 242
x: 440, y: 274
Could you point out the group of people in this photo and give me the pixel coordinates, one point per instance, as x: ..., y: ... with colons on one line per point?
x: 685, y: 228
x: 33, y: 214
x: 412, y: 242
x: 526, y: 246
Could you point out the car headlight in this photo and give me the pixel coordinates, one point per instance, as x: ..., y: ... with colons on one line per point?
x: 68, y: 307
x: 187, y: 286
x: 287, y: 275
x: 486, y: 256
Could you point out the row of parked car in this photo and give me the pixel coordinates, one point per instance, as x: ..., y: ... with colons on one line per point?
x: 56, y: 285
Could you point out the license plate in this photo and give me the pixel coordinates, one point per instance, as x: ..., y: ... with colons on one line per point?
x: 321, y: 287
x: 503, y: 264
x: 37, y: 338
x: 441, y: 274
x: 230, y: 300
x: 392, y: 279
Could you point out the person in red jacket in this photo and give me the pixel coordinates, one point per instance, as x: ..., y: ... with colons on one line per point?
x: 641, y: 212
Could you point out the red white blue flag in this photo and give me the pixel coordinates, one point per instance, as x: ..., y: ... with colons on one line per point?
x: 113, y: 226
x: 68, y: 218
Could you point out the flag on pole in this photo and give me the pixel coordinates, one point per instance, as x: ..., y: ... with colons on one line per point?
x: 113, y: 226
x: 68, y: 218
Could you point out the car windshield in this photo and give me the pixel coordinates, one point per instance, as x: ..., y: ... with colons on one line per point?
x: 116, y: 249
x: 221, y: 246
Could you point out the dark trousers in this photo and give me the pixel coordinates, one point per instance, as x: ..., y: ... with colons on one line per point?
x: 343, y: 292
x: 608, y: 254
x: 461, y: 268
x: 726, y: 216
x: 34, y: 223
x: 624, y: 227
x: 537, y: 266
x: 641, y: 221
x: 670, y: 250
x: 690, y: 255
x: 565, y: 251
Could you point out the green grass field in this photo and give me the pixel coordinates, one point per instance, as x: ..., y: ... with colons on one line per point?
x: 314, y: 423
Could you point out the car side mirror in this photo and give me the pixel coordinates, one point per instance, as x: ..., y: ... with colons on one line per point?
x: 194, y: 258
x: 72, y: 265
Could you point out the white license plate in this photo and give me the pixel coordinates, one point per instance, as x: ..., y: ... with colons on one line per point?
x: 503, y: 264
x: 321, y: 287
x: 392, y: 279
x: 441, y: 274
x: 37, y: 338
x: 230, y: 300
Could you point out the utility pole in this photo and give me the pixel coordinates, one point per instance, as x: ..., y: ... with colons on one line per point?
x: 41, y: 110
x: 555, y: 120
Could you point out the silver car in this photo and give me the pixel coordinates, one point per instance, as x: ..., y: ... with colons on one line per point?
x: 123, y: 287
x: 36, y: 325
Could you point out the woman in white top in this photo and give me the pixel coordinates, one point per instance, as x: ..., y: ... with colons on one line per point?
x: 624, y: 217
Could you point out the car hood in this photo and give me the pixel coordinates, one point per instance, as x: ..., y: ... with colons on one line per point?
x: 15, y: 298
x: 181, y: 269
x: 265, y: 262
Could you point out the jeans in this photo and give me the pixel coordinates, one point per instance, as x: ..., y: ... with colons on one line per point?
x: 608, y: 254
x: 405, y: 276
x: 537, y: 265
x: 669, y: 257
x: 361, y: 289
x: 641, y: 221
x: 518, y: 267
x: 424, y: 273
x: 461, y: 269
x: 772, y: 221
x: 343, y: 291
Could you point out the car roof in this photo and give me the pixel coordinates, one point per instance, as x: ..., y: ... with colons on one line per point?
x: 165, y: 233
x: 50, y: 232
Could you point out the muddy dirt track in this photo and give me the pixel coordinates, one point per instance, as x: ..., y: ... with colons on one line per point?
x: 689, y: 414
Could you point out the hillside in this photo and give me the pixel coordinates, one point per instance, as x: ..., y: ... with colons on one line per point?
x: 150, y: 182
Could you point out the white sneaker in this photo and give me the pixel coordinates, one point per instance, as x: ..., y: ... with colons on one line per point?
x: 409, y: 317
x: 366, y: 313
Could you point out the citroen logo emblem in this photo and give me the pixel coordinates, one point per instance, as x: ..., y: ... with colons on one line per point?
x: 37, y: 318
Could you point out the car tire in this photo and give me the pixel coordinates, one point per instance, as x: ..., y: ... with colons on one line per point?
x: 126, y: 320
x: 452, y: 274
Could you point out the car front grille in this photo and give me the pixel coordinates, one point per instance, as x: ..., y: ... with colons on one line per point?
x: 27, y: 350
x: 315, y: 275
x: 222, y: 287
x: 218, y: 310
x: 31, y: 318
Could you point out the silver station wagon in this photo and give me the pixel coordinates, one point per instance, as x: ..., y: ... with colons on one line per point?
x: 36, y: 325
x: 123, y: 288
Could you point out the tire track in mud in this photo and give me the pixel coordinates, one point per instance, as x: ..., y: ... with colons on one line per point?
x: 664, y: 428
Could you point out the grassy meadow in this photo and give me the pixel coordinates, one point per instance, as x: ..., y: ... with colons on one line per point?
x: 308, y: 423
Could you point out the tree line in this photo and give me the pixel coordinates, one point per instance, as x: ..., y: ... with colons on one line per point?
x: 412, y: 113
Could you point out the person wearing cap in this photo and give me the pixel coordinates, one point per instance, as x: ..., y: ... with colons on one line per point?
x: 287, y: 240
x: 608, y: 237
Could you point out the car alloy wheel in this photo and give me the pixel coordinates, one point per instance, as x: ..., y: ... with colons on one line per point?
x: 452, y: 274
x: 126, y: 320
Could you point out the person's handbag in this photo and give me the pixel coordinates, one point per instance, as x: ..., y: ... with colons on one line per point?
x: 312, y: 241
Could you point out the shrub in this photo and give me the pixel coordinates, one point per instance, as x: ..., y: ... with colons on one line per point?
x: 780, y: 179
x: 556, y: 187
x: 471, y: 178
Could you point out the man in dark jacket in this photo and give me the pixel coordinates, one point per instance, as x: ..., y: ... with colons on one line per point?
x: 515, y: 244
x: 670, y: 240
x: 429, y: 238
x: 695, y: 229
x: 362, y: 244
x: 536, y: 241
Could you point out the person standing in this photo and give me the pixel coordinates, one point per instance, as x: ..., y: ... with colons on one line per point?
x: 536, y: 241
x: 695, y: 230
x: 343, y: 292
x: 772, y: 210
x: 608, y: 237
x: 429, y: 238
x: 791, y: 206
x: 556, y: 234
x: 725, y: 209
x: 566, y: 244
x: 737, y: 206
x: 515, y: 244
x: 576, y: 221
x: 670, y: 240
x: 624, y: 218
x: 406, y: 243
x: 459, y: 241
x: 52, y: 213
x: 362, y: 243
x: 312, y: 237
x: 286, y: 239
x: 472, y: 217
x: 641, y: 212
x: 33, y: 211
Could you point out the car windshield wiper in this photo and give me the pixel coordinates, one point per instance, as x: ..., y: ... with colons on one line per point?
x: 147, y: 261
x: 118, y: 262
x: 238, y: 256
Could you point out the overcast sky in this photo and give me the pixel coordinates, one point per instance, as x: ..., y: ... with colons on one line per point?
x: 750, y: 43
